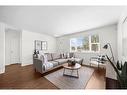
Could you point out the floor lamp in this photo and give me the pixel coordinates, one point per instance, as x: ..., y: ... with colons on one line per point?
x: 121, y: 76
x: 106, y: 47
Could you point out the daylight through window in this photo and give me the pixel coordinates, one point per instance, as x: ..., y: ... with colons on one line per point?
x: 85, y: 44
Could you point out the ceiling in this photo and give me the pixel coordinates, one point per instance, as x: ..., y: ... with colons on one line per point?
x: 59, y: 20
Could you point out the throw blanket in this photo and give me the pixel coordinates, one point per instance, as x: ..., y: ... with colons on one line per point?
x: 47, y: 65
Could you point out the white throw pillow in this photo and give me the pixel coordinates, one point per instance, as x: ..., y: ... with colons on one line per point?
x: 45, y: 58
x: 39, y: 56
x: 42, y: 57
x: 41, y: 52
x: 68, y: 56
x: 48, y: 65
x: 62, y: 56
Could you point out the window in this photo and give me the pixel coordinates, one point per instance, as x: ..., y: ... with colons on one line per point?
x: 73, y: 44
x: 85, y: 44
x: 95, y: 45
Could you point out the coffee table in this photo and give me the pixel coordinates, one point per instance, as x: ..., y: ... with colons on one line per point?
x: 72, y: 68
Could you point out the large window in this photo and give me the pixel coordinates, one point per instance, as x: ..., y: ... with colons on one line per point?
x: 85, y: 44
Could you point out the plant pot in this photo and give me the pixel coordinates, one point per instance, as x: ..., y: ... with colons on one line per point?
x: 73, y: 63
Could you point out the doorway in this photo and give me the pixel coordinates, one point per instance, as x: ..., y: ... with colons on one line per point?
x: 12, y: 46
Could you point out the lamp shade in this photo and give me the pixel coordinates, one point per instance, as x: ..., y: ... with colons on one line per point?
x: 105, y: 46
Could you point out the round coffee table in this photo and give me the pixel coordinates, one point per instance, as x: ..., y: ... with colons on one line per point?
x: 72, y: 68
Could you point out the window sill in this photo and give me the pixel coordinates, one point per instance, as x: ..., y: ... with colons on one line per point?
x: 86, y: 52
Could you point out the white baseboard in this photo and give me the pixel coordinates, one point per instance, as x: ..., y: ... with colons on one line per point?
x: 25, y: 64
x: 2, y: 70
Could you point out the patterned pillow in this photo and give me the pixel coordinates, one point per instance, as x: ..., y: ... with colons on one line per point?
x: 44, y: 57
x: 62, y: 55
x: 65, y: 55
x: 68, y: 55
x: 49, y: 56
x: 41, y: 52
x: 38, y: 56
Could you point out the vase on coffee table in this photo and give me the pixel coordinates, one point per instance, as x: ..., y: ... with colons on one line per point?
x: 71, y: 62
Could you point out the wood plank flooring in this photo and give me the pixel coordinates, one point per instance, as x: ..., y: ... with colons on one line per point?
x: 17, y: 77
x: 97, y: 80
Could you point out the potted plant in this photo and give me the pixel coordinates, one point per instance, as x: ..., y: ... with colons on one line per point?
x: 121, y: 72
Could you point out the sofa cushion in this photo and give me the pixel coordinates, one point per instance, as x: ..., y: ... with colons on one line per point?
x: 48, y: 56
x: 56, y: 56
x: 47, y: 65
x: 54, y: 63
x: 61, y: 61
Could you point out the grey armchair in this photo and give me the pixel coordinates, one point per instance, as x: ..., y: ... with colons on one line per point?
x: 97, y: 61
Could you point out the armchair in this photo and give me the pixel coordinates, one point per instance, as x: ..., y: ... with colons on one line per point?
x: 98, y: 61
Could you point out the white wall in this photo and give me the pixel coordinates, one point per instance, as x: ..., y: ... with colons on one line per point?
x: 121, y: 28
x: 2, y: 48
x: 27, y: 45
x: 28, y: 39
x: 107, y: 34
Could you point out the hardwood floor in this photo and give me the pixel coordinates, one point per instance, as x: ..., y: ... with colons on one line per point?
x: 97, y: 80
x: 17, y: 77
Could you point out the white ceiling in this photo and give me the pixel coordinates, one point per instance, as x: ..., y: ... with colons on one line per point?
x: 59, y: 20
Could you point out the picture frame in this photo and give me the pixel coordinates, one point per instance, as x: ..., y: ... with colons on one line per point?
x: 44, y: 45
x: 38, y: 45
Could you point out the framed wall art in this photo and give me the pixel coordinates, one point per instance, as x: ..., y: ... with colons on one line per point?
x: 37, y: 45
x: 44, y: 45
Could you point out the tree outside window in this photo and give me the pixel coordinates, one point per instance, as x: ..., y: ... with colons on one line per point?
x: 85, y: 44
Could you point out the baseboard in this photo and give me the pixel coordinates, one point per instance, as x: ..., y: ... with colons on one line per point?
x: 26, y: 64
x: 2, y: 70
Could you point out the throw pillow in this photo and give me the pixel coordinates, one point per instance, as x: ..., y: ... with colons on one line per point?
x: 62, y: 55
x: 65, y: 55
x: 45, y: 58
x: 38, y: 56
x: 41, y: 52
x: 68, y: 55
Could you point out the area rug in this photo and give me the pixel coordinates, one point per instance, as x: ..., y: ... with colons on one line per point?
x: 66, y: 82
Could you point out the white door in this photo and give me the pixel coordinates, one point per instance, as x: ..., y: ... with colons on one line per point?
x: 12, y: 45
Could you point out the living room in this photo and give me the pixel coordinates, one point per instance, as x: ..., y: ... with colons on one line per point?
x: 59, y: 35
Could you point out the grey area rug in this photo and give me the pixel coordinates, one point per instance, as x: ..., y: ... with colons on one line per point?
x: 66, y: 82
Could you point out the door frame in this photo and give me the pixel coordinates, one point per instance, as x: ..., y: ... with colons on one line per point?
x: 20, y: 35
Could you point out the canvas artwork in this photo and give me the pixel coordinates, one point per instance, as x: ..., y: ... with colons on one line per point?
x: 44, y: 45
x: 37, y: 45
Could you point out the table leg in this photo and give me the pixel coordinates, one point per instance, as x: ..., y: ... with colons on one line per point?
x: 77, y: 73
x: 71, y: 72
x: 64, y: 71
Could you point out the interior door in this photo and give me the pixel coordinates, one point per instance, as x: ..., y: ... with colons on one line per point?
x: 12, y: 46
